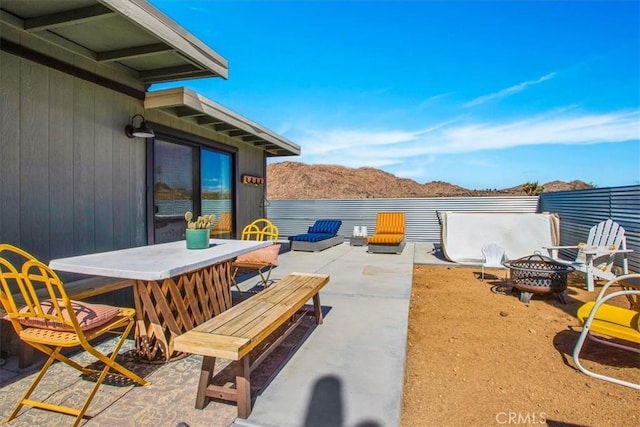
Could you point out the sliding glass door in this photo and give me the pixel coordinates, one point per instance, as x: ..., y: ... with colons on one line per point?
x: 216, y: 188
x: 189, y: 177
x: 173, y: 189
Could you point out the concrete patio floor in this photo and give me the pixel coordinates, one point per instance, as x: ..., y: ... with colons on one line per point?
x: 349, y: 371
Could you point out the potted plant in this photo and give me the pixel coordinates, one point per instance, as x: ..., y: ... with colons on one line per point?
x: 197, y: 232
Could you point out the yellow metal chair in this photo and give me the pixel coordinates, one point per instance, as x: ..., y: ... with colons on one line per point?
x: 621, y: 325
x: 266, y: 258
x: 54, y: 322
x: 261, y: 229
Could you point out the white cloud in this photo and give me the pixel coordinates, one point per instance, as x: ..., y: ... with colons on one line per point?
x: 325, y: 141
x: 508, y: 91
x: 544, y: 129
x: 356, y: 148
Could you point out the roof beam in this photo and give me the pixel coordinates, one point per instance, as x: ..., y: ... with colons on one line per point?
x: 178, y: 72
x: 133, y: 52
x: 69, y: 17
x: 221, y: 127
x: 184, y: 112
x: 262, y: 143
x: 208, y: 120
x: 251, y: 138
x: 238, y: 132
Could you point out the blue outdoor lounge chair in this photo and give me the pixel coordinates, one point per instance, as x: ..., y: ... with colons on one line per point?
x: 321, y: 235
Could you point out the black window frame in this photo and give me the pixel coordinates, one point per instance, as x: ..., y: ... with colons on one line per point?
x: 198, y: 143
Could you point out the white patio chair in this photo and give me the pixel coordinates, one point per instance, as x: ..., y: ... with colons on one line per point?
x: 596, y: 257
x: 493, y: 256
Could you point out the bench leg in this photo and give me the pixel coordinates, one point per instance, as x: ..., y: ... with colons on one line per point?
x: 317, y: 308
x: 243, y: 386
x: 206, y: 375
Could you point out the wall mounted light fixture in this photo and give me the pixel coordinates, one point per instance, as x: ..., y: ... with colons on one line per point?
x: 142, y: 131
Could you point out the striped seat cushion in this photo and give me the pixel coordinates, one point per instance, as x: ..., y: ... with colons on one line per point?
x: 322, y: 229
x: 389, y: 229
x: 390, y: 223
x: 311, y: 237
x: 327, y: 226
x: 386, y: 239
x: 89, y: 316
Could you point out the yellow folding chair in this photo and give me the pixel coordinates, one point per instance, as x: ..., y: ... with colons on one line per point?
x: 619, y: 324
x: 266, y: 258
x: 49, y: 321
x: 261, y: 229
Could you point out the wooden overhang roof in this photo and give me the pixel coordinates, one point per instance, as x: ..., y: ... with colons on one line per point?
x: 189, y: 105
x: 131, y: 34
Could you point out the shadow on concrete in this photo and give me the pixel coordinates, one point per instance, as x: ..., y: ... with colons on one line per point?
x: 326, y: 405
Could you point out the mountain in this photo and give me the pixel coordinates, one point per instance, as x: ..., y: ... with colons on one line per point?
x: 295, y: 180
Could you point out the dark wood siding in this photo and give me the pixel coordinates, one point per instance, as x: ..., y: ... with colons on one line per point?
x: 71, y: 181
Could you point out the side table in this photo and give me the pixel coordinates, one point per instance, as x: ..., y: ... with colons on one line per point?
x: 357, y: 241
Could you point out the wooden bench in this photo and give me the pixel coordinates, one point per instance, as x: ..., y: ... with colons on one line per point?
x: 76, y: 290
x: 238, y: 330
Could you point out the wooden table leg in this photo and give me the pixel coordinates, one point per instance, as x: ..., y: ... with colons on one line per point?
x: 167, y: 309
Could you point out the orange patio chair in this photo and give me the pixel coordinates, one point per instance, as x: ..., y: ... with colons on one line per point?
x: 388, y: 237
x: 49, y: 321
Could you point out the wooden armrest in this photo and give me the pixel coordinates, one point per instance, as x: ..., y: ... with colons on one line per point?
x: 560, y: 247
x: 606, y: 251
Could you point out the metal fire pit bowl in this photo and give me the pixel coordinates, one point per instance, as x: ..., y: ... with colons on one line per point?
x: 538, y: 274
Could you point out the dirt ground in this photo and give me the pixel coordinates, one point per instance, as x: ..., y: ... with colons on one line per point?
x: 477, y: 356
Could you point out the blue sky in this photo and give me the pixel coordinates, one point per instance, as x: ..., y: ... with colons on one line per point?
x: 478, y: 94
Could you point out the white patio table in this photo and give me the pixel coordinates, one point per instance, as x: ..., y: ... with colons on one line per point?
x: 175, y: 288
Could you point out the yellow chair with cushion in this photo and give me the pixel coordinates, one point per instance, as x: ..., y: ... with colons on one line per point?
x: 262, y: 259
x: 620, y: 325
x: 55, y: 322
x: 389, y: 234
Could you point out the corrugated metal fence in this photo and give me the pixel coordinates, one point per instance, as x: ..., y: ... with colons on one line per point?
x: 579, y: 211
x: 422, y: 225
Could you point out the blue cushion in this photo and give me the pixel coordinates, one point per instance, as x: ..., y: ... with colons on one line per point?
x: 330, y: 226
x: 320, y: 230
x: 311, y: 237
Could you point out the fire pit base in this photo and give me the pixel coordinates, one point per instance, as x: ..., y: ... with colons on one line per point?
x: 538, y: 274
x: 525, y: 296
